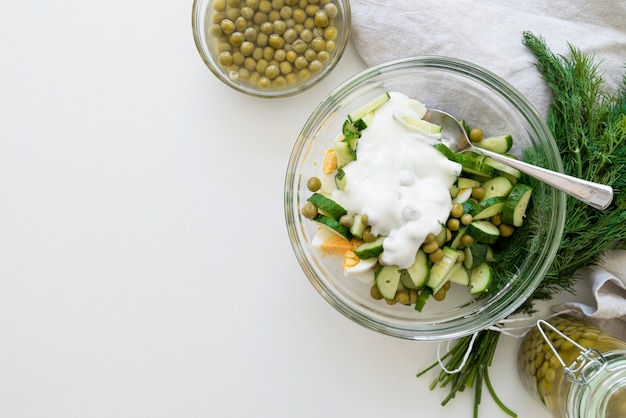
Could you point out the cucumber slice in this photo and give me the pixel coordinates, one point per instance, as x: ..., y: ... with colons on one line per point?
x: 500, y: 144
x: 327, y: 206
x: 333, y: 226
x: 422, y: 298
x: 459, y: 275
x: 345, y: 153
x: 370, y: 249
x: 480, y: 278
x: 511, y: 173
x: 455, y: 242
x: 475, y: 255
x: 483, y: 231
x: 405, y: 280
x: 340, y: 179
x: 515, y: 207
x: 488, y: 208
x: 473, y: 166
x: 498, y: 186
x: 468, y: 206
x: 419, y: 271
x: 369, y: 107
x: 465, y: 183
x: 442, y: 235
x: 439, y: 271
x: 364, y: 122
x: 349, y: 130
x: 387, y: 280
x: 443, y: 148
x: 357, y: 227
x: 419, y: 125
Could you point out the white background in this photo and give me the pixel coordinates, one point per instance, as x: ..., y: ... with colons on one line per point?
x: 145, y: 268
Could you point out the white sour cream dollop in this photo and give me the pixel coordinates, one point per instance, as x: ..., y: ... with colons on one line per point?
x: 400, y: 181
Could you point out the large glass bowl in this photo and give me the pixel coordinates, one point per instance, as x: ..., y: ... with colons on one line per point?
x: 466, y: 91
x: 270, y: 48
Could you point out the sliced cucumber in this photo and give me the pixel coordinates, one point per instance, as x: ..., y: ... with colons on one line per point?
x: 465, y: 183
x: 365, y: 121
x: 405, y: 279
x: 459, y: 275
x: 468, y: 206
x: 340, y: 179
x: 475, y: 255
x: 511, y: 173
x: 516, y: 204
x: 488, y: 208
x: 480, y: 278
x: 443, y: 148
x: 370, y: 249
x: 422, y: 298
x: 327, y: 205
x: 457, y: 235
x: 439, y: 271
x: 387, y: 280
x: 369, y: 107
x: 442, y: 235
x: 333, y: 225
x: 483, y: 231
x: 497, y: 187
x: 419, y: 271
x: 357, y: 227
x: 345, y: 153
x: 349, y: 130
x: 473, y: 166
x: 418, y: 125
x: 500, y: 144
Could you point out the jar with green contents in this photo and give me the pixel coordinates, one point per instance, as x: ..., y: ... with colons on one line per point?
x: 576, y: 370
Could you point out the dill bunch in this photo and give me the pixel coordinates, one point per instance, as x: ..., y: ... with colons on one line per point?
x: 589, y: 127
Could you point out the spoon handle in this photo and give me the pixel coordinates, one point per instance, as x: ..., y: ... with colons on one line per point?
x: 596, y: 195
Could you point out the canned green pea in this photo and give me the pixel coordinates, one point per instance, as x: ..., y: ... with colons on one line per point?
x: 575, y: 369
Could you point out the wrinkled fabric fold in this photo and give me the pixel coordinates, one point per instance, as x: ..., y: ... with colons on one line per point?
x: 489, y: 33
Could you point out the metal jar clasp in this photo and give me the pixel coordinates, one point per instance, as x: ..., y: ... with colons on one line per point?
x: 580, y: 371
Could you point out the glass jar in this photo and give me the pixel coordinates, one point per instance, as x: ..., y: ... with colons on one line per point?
x: 576, y: 370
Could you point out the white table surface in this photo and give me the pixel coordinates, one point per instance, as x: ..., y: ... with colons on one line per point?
x: 145, y: 267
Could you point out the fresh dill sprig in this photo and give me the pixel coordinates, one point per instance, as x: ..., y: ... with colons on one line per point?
x: 589, y: 127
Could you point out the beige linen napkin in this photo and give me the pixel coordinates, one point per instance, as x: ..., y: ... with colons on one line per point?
x: 607, y: 283
x: 489, y: 33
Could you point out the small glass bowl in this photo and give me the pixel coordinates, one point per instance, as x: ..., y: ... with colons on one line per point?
x: 271, y: 48
x: 484, y: 100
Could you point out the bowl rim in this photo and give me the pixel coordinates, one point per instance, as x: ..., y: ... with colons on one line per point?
x: 509, y: 303
x: 341, y: 44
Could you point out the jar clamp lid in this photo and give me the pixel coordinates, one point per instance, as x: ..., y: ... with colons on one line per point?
x: 585, y: 367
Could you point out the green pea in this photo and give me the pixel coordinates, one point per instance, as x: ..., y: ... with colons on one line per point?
x: 264, y: 82
x: 321, y: 19
x: 314, y: 184
x: 238, y: 58
x: 323, y: 56
x: 310, y: 55
x: 249, y: 64
x: 331, y: 10
x: 279, y: 82
x: 276, y: 41
x: 265, y: 6
x: 257, y: 54
x: 219, y: 5
x: 311, y: 9
x: 247, y: 48
x: 301, y: 62
x: 304, y: 74
x: 227, y: 26
x: 268, y: 53
x: 299, y: 15
x: 247, y: 12
x: 236, y: 39
x: 260, y: 18
x: 299, y: 46
x: 286, y: 12
x: 272, y: 71
x: 261, y: 39
x: 253, y: 4
x: 316, y: 66
x: 225, y: 58
x: 279, y: 26
x: 250, y: 34
x: 277, y: 4
x: 330, y: 33
x: 241, y: 23
x: 289, y: 36
x: 215, y: 30
x: 318, y: 44
x: 280, y: 55
x: 261, y: 65
x: 285, y: 67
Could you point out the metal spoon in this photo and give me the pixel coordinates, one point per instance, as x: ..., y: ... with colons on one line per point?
x: 596, y: 195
